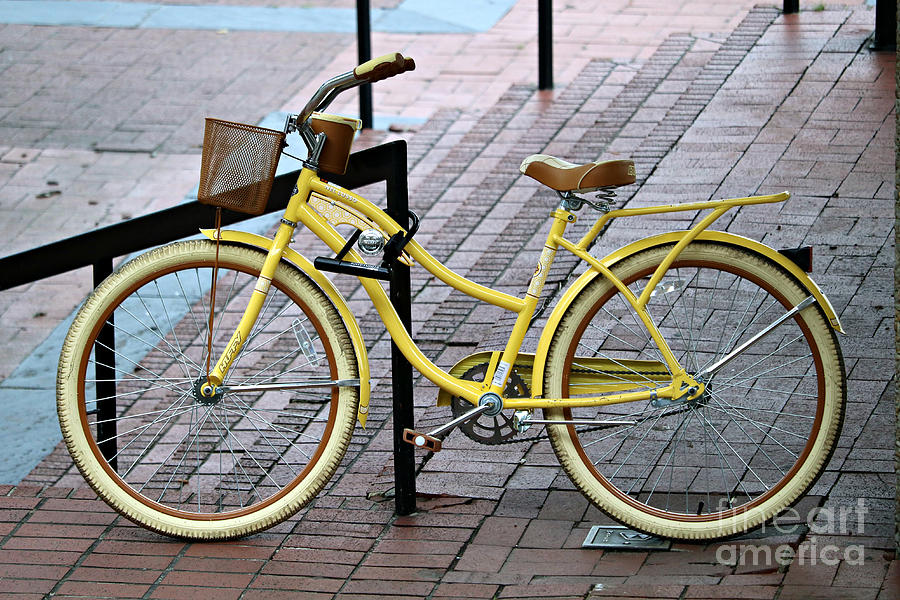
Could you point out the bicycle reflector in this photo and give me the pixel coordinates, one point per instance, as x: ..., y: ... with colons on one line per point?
x: 802, y: 257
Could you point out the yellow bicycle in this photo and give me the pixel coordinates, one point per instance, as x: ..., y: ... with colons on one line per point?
x: 691, y: 383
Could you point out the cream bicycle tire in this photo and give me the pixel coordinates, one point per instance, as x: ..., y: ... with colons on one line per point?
x: 274, y: 451
x: 660, y: 475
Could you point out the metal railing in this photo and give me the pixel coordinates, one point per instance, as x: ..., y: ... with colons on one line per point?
x: 99, y: 248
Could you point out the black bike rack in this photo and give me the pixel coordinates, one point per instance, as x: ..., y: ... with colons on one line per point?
x: 388, y: 163
x: 99, y: 248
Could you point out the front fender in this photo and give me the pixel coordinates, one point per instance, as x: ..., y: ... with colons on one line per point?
x: 302, y: 263
x: 572, y: 292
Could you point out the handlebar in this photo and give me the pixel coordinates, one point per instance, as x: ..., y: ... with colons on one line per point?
x: 370, y: 71
x: 383, y: 67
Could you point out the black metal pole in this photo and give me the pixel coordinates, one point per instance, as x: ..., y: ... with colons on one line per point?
x: 364, y: 53
x: 545, y: 44
x: 401, y: 370
x: 105, y: 373
x: 791, y: 6
x: 885, y: 25
x: 386, y: 163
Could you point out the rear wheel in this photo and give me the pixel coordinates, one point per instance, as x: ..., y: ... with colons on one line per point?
x: 749, y: 446
x: 163, y: 454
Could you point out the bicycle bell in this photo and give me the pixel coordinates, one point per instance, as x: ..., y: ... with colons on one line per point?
x: 371, y: 242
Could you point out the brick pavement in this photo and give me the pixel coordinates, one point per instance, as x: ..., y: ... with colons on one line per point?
x: 69, y: 91
x: 509, y: 524
x: 157, y: 152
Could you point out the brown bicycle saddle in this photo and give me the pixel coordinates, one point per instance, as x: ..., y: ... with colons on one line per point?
x: 564, y: 176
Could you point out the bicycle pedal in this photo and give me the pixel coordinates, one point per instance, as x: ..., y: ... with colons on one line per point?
x: 421, y: 440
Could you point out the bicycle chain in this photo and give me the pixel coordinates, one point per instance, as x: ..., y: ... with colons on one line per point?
x: 546, y: 436
x: 516, y: 384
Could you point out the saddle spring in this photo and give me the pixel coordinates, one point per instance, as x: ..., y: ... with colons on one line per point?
x: 605, y: 196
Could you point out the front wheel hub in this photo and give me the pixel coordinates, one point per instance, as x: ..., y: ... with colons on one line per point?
x: 207, y: 393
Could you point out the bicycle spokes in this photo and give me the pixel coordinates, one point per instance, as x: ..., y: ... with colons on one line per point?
x: 724, y: 453
x: 200, y: 451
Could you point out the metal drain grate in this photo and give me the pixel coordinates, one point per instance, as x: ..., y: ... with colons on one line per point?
x: 622, y: 538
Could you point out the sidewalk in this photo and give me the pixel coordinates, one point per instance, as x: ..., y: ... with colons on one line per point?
x: 763, y: 103
x: 106, y: 124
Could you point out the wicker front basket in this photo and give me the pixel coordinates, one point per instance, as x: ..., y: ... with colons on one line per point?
x: 238, y: 165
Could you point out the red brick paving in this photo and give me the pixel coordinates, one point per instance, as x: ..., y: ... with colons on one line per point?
x: 507, y: 525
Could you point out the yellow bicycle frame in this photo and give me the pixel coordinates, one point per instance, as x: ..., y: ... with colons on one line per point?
x: 299, y: 211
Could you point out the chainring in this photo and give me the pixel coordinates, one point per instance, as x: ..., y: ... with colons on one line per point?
x: 486, y: 429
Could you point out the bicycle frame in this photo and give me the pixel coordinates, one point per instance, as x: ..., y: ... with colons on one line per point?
x: 217, y: 453
x: 345, y: 206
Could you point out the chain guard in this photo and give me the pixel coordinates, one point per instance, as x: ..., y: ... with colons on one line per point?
x: 488, y: 430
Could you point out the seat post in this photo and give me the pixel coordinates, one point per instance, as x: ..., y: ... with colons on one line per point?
x: 496, y: 382
x: 569, y: 202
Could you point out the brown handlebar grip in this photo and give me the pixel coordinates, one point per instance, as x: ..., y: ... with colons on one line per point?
x: 383, y: 67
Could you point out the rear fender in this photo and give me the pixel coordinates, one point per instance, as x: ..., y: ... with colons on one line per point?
x: 302, y: 263
x: 582, y: 282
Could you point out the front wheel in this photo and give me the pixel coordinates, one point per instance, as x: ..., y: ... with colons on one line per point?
x: 749, y: 446
x: 206, y: 467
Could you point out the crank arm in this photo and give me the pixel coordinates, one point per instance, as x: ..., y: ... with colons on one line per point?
x: 430, y: 441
